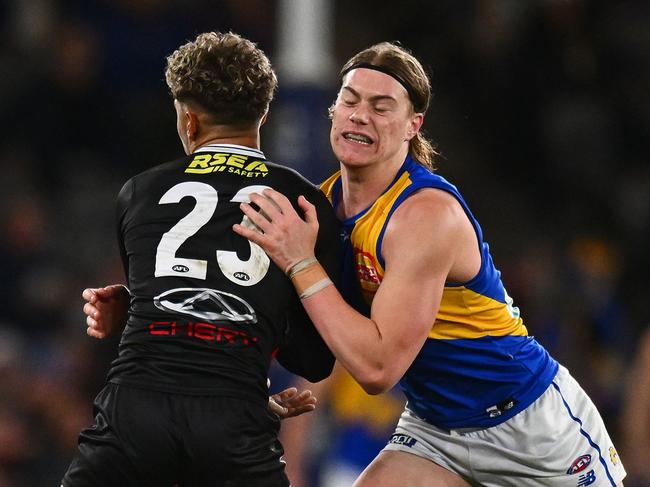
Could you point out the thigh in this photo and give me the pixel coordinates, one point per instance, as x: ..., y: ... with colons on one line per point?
x: 558, y: 440
x: 444, y: 449
x: 231, y: 442
x: 399, y: 468
x: 129, y: 443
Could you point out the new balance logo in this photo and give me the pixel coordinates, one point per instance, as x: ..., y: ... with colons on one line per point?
x: 587, y: 479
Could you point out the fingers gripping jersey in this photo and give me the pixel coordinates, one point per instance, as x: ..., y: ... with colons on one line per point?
x: 208, y: 308
x: 478, y: 366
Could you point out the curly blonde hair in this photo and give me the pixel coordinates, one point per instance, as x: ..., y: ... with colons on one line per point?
x: 227, y: 75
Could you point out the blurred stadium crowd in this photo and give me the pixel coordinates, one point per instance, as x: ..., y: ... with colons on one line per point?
x: 541, y: 113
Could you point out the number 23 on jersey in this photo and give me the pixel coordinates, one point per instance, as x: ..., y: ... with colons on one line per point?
x: 242, y: 272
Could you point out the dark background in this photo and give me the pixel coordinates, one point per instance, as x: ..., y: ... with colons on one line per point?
x: 541, y: 113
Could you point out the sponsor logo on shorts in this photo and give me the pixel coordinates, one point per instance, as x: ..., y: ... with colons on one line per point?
x: 579, y: 464
x: 498, y: 409
x: 613, y: 455
x: 400, y: 439
x: 587, y: 479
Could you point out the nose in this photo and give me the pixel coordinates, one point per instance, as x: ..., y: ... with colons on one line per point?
x: 359, y: 114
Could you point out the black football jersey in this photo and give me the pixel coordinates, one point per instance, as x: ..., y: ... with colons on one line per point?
x: 209, y: 309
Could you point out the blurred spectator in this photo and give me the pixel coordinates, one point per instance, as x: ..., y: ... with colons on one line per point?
x: 542, y: 108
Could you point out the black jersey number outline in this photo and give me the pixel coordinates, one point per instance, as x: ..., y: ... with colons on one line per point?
x: 243, y: 272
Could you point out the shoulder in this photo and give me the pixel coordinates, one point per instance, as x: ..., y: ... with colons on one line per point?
x: 292, y: 184
x: 154, y: 171
x: 428, y: 207
x: 289, y: 181
x: 429, y: 223
x: 289, y: 174
x: 144, y: 179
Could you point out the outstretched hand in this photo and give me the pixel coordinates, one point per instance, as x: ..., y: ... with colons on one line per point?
x: 106, y: 310
x: 283, y: 234
x: 289, y: 403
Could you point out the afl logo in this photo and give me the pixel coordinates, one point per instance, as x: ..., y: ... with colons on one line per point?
x: 579, y: 464
x: 180, y: 268
x: 242, y: 276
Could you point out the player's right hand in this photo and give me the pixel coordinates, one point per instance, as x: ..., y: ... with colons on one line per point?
x: 285, y: 236
x: 106, y: 310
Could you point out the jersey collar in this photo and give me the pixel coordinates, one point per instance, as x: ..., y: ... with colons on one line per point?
x: 232, y: 149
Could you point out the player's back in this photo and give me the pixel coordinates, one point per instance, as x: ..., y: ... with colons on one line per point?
x: 208, y: 308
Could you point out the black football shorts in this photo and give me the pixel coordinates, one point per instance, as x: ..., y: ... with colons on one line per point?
x: 147, y: 438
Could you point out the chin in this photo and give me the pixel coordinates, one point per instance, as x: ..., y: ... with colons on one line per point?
x: 352, y: 157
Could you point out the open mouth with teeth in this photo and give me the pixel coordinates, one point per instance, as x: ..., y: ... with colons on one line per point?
x: 358, y: 138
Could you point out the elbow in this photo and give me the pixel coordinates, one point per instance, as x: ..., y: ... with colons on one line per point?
x: 317, y: 375
x: 317, y: 370
x: 376, y: 382
x: 313, y: 366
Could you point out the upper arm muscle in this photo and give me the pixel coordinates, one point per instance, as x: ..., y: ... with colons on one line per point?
x: 419, y: 249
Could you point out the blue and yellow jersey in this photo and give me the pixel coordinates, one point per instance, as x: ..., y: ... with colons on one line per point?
x: 478, y: 366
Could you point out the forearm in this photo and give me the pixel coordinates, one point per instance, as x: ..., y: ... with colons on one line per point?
x: 355, y: 340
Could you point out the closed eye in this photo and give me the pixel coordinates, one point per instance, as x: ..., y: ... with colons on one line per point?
x: 348, y: 102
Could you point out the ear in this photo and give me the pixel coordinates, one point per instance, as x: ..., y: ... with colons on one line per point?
x: 417, y: 119
x: 191, y: 124
x: 264, y: 117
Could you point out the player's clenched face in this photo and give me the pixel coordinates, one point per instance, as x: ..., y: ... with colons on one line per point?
x: 372, y: 120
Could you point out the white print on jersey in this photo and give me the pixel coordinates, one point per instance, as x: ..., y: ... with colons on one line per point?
x: 206, y: 304
x: 243, y: 272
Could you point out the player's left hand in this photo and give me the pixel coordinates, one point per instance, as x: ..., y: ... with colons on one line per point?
x: 106, y: 310
x: 286, y: 237
x: 289, y: 403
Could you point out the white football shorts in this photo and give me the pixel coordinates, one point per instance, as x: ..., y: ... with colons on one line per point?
x: 559, y: 440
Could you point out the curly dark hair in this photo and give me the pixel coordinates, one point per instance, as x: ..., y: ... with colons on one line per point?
x: 226, y: 75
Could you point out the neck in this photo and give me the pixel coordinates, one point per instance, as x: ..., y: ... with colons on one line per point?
x: 223, y: 134
x: 362, y: 186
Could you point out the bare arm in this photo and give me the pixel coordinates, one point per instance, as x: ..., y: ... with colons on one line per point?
x: 419, y: 249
